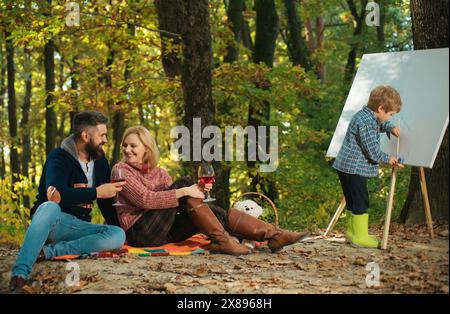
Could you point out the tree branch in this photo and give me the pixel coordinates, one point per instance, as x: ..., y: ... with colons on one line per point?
x: 120, y: 22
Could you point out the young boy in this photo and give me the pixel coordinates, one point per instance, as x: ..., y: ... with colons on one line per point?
x: 360, y: 155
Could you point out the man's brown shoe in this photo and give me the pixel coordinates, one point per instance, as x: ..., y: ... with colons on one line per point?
x: 41, y: 257
x: 16, y: 285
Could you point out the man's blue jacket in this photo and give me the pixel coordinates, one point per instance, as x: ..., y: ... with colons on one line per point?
x: 63, y: 171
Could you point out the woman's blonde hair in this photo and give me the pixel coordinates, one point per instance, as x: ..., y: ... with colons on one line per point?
x: 151, y: 156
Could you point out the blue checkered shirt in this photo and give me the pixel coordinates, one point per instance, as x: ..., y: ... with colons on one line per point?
x: 360, y: 152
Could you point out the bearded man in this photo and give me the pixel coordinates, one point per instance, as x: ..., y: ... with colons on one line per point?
x: 74, y: 175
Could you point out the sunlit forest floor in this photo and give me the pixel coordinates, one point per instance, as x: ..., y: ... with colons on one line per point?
x: 413, y: 263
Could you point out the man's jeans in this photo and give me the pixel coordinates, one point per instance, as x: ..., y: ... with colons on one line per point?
x: 63, y: 234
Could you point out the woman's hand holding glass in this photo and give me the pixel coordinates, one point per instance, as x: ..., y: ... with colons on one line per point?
x: 192, y: 191
x: 207, y: 187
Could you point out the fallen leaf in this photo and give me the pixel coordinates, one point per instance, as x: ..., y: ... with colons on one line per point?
x: 201, y: 271
x: 422, y: 256
x: 443, y: 233
x: 170, y: 288
x: 359, y: 261
x: 31, y: 290
x: 78, y: 287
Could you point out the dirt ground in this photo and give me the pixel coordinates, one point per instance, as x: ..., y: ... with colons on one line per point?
x: 413, y: 263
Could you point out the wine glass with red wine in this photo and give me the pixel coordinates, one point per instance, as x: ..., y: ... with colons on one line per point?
x: 205, y: 176
x: 117, y: 176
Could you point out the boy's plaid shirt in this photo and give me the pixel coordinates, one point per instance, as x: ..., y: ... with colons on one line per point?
x: 360, y: 152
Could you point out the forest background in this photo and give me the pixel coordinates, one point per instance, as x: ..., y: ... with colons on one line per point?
x: 160, y: 63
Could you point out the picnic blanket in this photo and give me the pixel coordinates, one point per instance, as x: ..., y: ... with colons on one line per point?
x: 194, y: 245
x: 197, y: 244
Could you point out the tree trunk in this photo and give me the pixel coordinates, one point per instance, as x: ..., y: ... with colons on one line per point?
x: 12, y: 115
x: 310, y: 42
x: 62, y: 120
x: 169, y: 20
x: 296, y: 45
x: 197, y: 64
x: 235, y: 20
x: 196, y: 76
x: 265, y: 40
x: 60, y: 130
x: 430, y: 30
x: 380, y: 28
x: 119, y: 114
x: 142, y: 120
x: 430, y: 24
x: 24, y: 123
x: 357, y: 32
x: 73, y: 98
x: 26, y: 149
x: 266, y: 32
x: 2, y: 106
x: 246, y: 34
x: 2, y: 162
x: 118, y: 118
x: 50, y: 115
x: 314, y: 41
x: 155, y: 125
x: 320, y: 28
x: 118, y: 125
x: 171, y: 23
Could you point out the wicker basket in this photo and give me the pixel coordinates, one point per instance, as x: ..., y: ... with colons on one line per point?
x: 253, y: 195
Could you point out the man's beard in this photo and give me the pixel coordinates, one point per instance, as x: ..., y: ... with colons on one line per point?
x: 95, y: 152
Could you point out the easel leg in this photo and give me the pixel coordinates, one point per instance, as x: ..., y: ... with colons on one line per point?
x: 336, y: 216
x: 426, y: 202
x: 390, y: 203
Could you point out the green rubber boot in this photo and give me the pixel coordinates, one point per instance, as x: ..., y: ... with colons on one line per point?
x: 360, y: 236
x: 349, y: 231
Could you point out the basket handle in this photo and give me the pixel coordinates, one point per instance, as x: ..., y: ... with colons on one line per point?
x: 275, y: 210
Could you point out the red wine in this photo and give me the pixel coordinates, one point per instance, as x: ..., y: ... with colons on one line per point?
x: 117, y: 180
x: 206, y: 180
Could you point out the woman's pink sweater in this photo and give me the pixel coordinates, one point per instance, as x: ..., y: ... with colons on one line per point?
x: 145, y: 190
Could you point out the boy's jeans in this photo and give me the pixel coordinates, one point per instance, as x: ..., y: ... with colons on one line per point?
x: 64, y: 234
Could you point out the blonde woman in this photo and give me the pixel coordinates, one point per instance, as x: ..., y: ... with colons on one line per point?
x: 155, y: 211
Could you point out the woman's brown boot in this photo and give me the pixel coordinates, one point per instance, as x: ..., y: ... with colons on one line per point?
x: 205, y: 220
x: 251, y: 228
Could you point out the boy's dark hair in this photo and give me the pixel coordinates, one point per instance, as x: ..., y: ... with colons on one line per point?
x: 86, y: 119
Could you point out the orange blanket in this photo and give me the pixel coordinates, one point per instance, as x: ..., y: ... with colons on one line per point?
x: 194, y: 245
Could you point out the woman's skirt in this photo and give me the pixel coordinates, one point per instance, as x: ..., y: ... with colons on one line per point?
x: 158, y: 227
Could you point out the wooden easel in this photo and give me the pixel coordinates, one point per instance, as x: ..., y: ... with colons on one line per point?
x: 335, y: 218
x: 387, y: 222
x: 426, y: 205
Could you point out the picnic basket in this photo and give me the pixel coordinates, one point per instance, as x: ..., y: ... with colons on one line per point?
x: 261, y: 200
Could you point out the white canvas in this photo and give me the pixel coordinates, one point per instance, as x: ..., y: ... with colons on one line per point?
x: 421, y: 78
